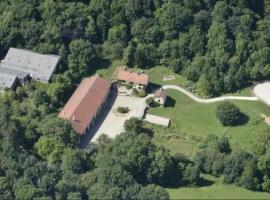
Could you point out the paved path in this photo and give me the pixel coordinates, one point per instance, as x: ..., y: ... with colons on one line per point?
x: 262, y: 92
x: 212, y: 100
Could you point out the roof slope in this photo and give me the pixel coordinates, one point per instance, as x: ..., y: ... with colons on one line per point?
x: 7, y: 80
x: 160, y: 93
x: 137, y: 78
x: 85, y: 102
x: 40, y: 66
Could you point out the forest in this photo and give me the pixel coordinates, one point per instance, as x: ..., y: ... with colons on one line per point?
x: 219, y: 45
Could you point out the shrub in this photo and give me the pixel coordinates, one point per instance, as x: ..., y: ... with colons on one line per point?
x: 122, y: 110
x: 151, y: 102
x: 135, y: 92
x: 142, y: 93
x: 129, y: 86
x: 228, y: 113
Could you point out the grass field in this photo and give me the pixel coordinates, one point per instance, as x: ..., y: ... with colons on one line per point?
x: 216, y: 190
x: 156, y: 74
x: 192, y: 120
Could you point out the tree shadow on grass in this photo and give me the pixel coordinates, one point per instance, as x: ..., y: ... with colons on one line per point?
x: 102, y: 63
x: 152, y: 87
x: 201, y: 183
x: 205, y: 183
x: 170, y: 102
x: 243, y: 119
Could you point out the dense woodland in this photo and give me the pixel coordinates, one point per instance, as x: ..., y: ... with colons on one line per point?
x: 219, y: 45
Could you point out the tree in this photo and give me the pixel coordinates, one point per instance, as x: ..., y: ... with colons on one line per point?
x: 146, y: 55
x: 228, y: 113
x: 133, y: 125
x: 24, y: 190
x: 54, y: 126
x: 224, y: 145
x: 129, y: 54
x: 40, y: 97
x: 235, y: 165
x: 191, y: 175
x: 152, y: 192
x: 74, y: 161
x: 81, y: 57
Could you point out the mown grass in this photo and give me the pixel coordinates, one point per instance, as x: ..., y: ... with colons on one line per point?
x: 195, y: 121
x: 215, y: 190
x: 157, y: 73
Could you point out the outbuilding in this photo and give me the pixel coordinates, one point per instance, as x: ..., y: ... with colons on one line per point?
x: 160, y: 96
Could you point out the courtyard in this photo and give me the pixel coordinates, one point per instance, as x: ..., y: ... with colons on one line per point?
x: 113, y: 123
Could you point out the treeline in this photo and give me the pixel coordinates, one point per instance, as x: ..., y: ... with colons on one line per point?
x: 221, y: 45
x: 48, y: 165
x: 247, y: 169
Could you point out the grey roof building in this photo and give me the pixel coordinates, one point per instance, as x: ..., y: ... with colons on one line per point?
x: 22, y: 76
x: 7, y: 81
x: 39, y: 66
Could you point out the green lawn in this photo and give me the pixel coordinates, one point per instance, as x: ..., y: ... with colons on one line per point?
x: 216, y: 190
x: 156, y: 74
x: 192, y: 121
x: 107, y: 72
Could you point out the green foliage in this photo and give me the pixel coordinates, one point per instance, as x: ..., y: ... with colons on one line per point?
x: 81, y: 56
x: 146, y: 55
x: 133, y: 125
x: 220, y: 45
x: 142, y: 93
x: 228, y: 113
x: 151, y: 102
x: 129, y: 86
x: 123, y: 110
x: 74, y: 161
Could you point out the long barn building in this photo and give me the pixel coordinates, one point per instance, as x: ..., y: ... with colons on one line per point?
x: 85, y: 104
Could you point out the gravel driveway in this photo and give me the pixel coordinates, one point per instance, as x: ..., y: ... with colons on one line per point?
x: 113, y: 123
x: 211, y: 100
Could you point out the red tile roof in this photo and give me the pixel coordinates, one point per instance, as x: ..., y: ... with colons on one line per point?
x: 85, y: 102
x: 160, y: 93
x: 138, y: 78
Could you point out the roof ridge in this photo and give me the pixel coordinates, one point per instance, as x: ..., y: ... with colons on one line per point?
x: 85, y: 94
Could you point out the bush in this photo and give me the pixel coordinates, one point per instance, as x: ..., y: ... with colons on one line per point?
x: 129, y: 86
x: 122, y: 110
x: 142, y: 93
x: 228, y: 113
x: 135, y: 92
x: 151, y: 102
x: 139, y: 93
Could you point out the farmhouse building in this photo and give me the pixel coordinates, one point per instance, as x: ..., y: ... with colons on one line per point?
x: 85, y: 104
x: 138, y: 80
x: 24, y: 64
x: 160, y: 96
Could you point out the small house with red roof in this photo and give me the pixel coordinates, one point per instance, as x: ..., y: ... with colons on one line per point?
x: 160, y: 96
